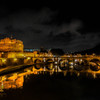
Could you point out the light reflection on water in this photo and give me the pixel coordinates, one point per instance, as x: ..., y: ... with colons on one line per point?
x: 16, y: 80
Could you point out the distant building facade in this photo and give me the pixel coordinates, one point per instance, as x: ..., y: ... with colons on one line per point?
x: 8, y: 44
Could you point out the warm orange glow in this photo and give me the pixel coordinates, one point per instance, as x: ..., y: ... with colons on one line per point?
x: 8, y: 44
x: 28, y: 58
x: 4, y: 60
x: 15, y: 59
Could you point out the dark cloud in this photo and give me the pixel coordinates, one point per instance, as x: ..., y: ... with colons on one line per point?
x: 31, y: 27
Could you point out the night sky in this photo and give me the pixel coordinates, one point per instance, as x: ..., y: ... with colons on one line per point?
x: 70, y: 26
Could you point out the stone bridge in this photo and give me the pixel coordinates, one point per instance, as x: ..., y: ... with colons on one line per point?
x: 64, y: 63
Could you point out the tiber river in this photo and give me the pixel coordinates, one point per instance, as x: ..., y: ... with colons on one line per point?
x: 43, y: 84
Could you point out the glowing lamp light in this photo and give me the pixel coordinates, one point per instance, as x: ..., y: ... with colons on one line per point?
x: 3, y: 78
x: 28, y: 58
x: 75, y: 60
x: 94, y: 75
x: 55, y: 62
x: 28, y: 71
x: 2, y: 52
x: 80, y: 59
x: 71, y: 67
x: 71, y: 63
x: 15, y: 59
x: 56, y: 66
x: 4, y: 60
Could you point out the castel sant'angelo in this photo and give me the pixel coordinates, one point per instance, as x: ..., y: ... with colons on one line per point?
x: 11, y: 48
x: 9, y: 44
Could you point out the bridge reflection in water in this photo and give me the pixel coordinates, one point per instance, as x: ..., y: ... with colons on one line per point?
x: 16, y: 80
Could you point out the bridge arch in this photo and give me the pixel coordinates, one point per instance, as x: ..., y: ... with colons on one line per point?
x: 63, y: 64
x: 49, y: 64
x: 94, y: 64
x: 94, y: 60
x: 37, y: 63
x: 49, y: 60
x: 80, y: 64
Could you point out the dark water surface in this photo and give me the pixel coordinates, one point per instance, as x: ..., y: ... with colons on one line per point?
x: 32, y: 84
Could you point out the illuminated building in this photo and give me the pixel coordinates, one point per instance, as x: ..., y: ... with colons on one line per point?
x: 14, y: 82
x: 8, y: 44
